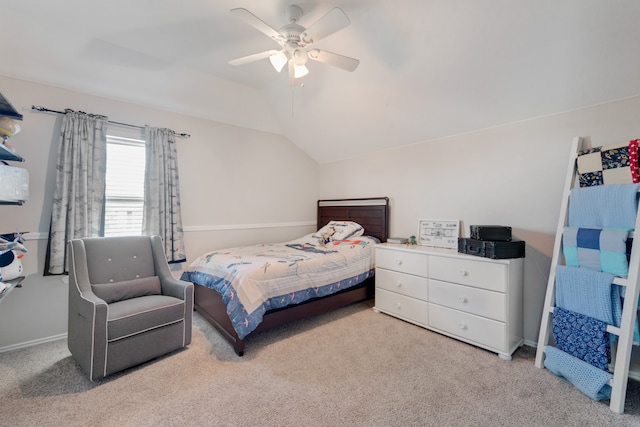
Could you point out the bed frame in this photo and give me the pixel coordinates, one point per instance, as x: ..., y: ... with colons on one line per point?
x: 371, y: 213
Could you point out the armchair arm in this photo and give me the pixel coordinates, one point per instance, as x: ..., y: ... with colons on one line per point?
x: 183, y: 290
x: 87, y: 330
x: 172, y: 286
x: 175, y: 287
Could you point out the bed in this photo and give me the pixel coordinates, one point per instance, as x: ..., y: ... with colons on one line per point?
x: 218, y: 296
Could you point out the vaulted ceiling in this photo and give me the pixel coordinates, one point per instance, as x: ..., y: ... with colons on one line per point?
x: 428, y: 68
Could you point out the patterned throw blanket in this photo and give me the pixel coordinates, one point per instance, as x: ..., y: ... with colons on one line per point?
x: 583, y: 337
x: 596, y: 249
x: 254, y: 279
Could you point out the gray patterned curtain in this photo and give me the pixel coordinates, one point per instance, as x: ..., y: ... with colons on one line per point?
x: 78, y: 201
x: 161, y: 214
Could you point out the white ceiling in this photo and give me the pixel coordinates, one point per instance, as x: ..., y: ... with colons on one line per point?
x: 428, y: 68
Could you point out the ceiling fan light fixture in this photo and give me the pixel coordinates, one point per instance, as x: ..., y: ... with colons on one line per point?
x: 278, y: 60
x: 299, y: 56
x: 294, y: 39
x: 300, y: 71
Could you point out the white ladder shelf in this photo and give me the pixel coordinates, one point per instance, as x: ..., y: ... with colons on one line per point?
x: 629, y: 311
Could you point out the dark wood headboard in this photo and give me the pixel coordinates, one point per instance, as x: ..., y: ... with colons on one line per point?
x: 372, y: 213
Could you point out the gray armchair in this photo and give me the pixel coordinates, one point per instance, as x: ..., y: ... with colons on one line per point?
x: 125, y: 307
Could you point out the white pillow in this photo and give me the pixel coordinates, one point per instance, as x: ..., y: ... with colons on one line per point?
x: 340, y: 230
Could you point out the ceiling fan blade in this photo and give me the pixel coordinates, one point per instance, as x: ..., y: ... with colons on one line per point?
x: 252, y: 58
x: 340, y: 61
x: 257, y: 23
x: 333, y: 21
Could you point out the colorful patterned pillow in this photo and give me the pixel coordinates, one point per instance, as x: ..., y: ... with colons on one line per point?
x: 610, y: 164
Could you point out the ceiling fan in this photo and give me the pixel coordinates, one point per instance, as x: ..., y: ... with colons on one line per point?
x: 294, y: 40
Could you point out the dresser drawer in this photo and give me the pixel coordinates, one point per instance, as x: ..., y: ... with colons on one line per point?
x: 486, y: 332
x: 480, y: 274
x: 471, y: 300
x: 405, y: 284
x: 402, y: 306
x: 404, y: 262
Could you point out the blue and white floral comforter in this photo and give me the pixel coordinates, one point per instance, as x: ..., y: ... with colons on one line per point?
x: 254, y: 279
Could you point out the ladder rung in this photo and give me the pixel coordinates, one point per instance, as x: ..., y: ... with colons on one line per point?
x: 616, y: 331
x: 622, y: 281
x: 610, y: 328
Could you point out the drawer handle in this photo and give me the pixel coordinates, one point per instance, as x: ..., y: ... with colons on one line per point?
x: 398, y: 306
x: 463, y: 300
x: 398, y: 262
x: 462, y: 325
x: 464, y: 273
x: 399, y: 285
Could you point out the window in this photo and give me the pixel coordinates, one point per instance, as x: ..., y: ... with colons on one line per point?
x: 124, y: 193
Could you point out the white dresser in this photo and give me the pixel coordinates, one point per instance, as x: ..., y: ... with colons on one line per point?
x: 473, y: 299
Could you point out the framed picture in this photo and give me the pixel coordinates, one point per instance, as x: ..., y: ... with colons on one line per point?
x: 439, y: 233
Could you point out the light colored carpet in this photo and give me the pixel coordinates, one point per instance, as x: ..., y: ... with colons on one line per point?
x: 350, y: 367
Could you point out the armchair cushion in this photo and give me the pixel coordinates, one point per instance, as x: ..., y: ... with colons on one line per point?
x: 119, y: 291
x: 136, y: 315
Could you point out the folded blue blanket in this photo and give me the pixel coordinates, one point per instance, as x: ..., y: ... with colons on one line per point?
x: 588, y: 292
x: 597, y: 249
x: 604, y: 206
x: 585, y: 377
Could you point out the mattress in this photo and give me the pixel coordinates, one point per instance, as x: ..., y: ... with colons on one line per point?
x: 255, y: 279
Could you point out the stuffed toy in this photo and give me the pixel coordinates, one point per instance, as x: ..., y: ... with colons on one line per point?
x: 326, y: 237
x: 8, y: 128
x: 10, y: 265
x: 11, y: 254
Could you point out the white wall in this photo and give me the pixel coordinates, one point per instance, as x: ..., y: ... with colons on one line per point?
x: 241, y: 186
x: 238, y: 186
x: 509, y: 175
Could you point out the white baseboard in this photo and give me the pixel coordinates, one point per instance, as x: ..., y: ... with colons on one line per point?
x: 32, y: 343
x: 530, y: 343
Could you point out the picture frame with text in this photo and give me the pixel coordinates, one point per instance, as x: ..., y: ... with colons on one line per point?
x: 439, y: 233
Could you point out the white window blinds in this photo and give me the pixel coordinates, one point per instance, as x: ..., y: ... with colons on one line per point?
x: 124, y: 196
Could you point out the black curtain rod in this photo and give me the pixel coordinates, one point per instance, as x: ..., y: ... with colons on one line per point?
x: 47, y: 110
